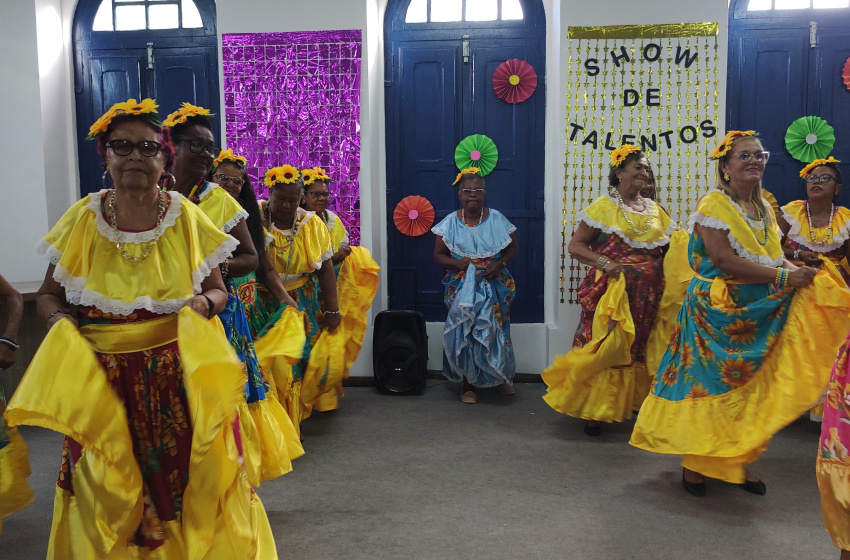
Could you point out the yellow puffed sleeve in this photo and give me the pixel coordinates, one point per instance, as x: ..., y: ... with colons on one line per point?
x: 221, y: 208
x: 91, y: 268
x: 339, y: 236
x: 647, y: 230
x: 312, y: 248
x: 716, y: 210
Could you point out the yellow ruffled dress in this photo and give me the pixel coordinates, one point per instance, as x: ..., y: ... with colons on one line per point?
x: 270, y: 441
x: 604, y: 376
x: 741, y: 362
x: 356, y: 286
x: 141, y: 367
x: 15, y: 493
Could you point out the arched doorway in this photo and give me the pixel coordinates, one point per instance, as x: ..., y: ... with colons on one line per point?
x: 440, y: 59
x: 785, y: 62
x: 163, y: 49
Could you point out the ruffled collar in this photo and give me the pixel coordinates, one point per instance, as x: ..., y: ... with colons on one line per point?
x: 605, y: 214
x: 801, y: 231
x: 172, y: 212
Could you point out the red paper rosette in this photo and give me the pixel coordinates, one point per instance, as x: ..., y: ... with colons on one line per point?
x: 414, y: 215
x: 845, y: 74
x: 514, y: 80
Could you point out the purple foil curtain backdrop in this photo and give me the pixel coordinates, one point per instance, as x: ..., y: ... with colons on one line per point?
x: 294, y: 98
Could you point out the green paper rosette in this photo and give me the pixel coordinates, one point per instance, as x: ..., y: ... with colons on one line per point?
x: 477, y: 151
x: 809, y: 138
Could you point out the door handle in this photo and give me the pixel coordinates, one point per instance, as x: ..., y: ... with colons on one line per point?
x: 150, y: 56
x: 466, y: 49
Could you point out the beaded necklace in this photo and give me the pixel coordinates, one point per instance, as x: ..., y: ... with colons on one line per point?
x: 622, y: 204
x: 463, y: 217
x: 761, y: 218
x: 121, y: 245
x: 812, y: 227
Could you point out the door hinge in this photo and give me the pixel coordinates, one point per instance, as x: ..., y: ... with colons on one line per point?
x: 813, y: 34
x: 150, y: 56
x: 465, y: 49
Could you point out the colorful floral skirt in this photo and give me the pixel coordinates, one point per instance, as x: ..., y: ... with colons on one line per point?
x: 15, y: 493
x: 604, y: 376
x: 741, y: 364
x: 477, y: 335
x: 269, y: 439
x: 151, y: 460
x: 833, y: 467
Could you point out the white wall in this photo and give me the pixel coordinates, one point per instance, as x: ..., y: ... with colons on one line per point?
x: 49, y: 147
x: 23, y: 217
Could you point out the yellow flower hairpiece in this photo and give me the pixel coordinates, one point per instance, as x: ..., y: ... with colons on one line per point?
x: 227, y: 155
x: 467, y: 171
x: 182, y: 114
x: 619, y: 155
x: 146, y: 107
x: 817, y: 163
x: 321, y: 174
x: 726, y: 144
x: 284, y: 174
x: 308, y: 176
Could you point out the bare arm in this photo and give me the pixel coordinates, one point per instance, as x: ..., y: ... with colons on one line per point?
x: 327, y: 281
x: 443, y: 257
x: 508, y: 254
x: 244, y: 260
x: 271, y: 280
x: 723, y: 256
x: 50, y: 301
x: 213, y: 288
x: 579, y: 248
x: 13, y: 304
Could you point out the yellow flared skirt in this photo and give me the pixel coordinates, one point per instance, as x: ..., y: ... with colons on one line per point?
x: 66, y: 390
x: 15, y: 493
x: 834, y: 485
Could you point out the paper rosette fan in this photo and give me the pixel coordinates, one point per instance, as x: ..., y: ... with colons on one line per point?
x: 845, y: 73
x: 809, y: 138
x: 514, y: 80
x: 477, y: 151
x: 414, y: 215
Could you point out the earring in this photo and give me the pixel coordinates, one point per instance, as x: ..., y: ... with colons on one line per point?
x: 726, y: 177
x: 105, y: 173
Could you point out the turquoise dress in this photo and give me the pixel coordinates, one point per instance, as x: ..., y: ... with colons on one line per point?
x: 477, y: 335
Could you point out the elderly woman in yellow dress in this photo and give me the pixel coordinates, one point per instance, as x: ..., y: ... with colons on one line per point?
x: 356, y: 271
x: 144, y: 387
x: 623, y: 236
x: 741, y: 361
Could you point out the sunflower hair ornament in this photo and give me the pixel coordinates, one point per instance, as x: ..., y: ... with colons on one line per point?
x: 184, y: 113
x: 227, y: 156
x: 287, y: 174
x: 309, y: 176
x: 726, y: 144
x: 817, y: 163
x: 619, y: 155
x: 321, y: 175
x: 467, y: 171
x: 145, y: 107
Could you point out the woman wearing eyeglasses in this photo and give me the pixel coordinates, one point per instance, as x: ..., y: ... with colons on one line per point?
x: 475, y: 244
x: 356, y: 272
x: 816, y: 229
x: 742, y: 362
x: 144, y: 387
x: 623, y: 236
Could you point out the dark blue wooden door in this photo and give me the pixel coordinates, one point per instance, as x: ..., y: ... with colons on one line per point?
x: 438, y: 91
x: 784, y: 65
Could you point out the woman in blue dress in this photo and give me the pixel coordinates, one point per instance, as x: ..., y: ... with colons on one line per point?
x: 477, y: 243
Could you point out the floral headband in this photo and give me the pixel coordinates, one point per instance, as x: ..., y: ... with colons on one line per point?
x: 817, y: 163
x: 467, y: 171
x: 321, y: 174
x: 284, y: 174
x: 227, y: 155
x: 146, y: 107
x: 726, y: 144
x: 619, y: 155
x: 182, y: 114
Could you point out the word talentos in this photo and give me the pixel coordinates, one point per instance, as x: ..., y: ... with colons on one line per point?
x: 687, y: 134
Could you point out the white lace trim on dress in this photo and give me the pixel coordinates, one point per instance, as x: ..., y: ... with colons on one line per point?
x: 715, y: 223
x: 795, y: 233
x: 583, y: 217
x: 105, y: 229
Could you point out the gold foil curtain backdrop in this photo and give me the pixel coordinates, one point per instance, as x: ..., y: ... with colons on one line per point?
x: 649, y: 85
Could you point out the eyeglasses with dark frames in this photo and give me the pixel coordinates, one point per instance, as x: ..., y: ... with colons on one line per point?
x: 236, y: 181
x: 147, y: 148
x: 197, y: 147
x: 822, y: 179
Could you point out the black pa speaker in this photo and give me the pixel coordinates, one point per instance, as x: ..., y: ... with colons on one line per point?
x: 400, y: 352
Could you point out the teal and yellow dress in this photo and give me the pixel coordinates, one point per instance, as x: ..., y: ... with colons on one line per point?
x: 147, y: 393
x: 741, y: 362
x: 357, y: 283
x: 269, y: 439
